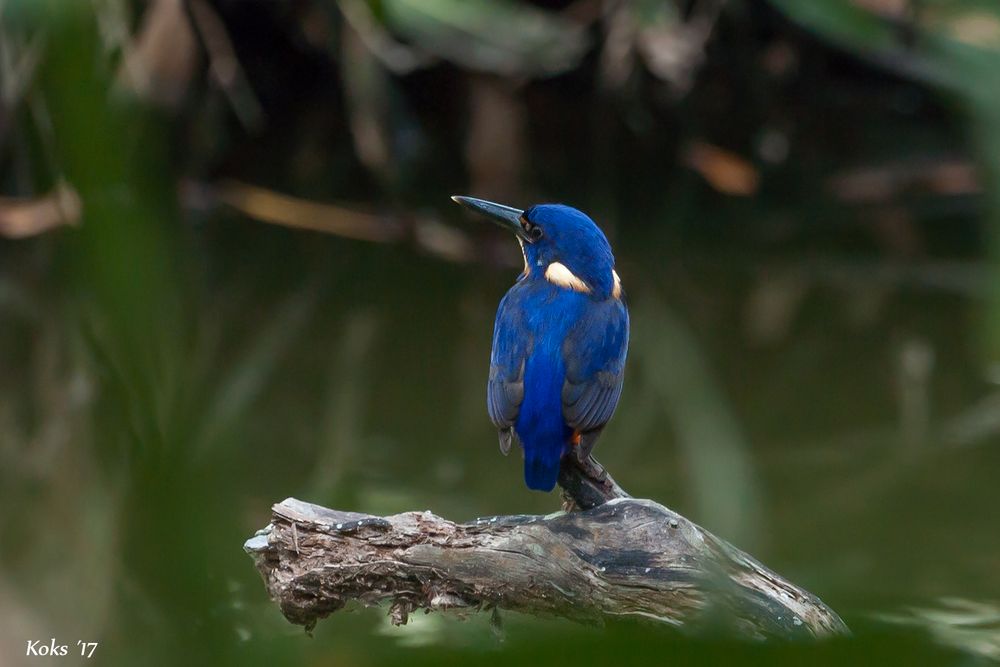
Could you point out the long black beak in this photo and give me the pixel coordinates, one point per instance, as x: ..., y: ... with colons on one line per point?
x: 507, y: 217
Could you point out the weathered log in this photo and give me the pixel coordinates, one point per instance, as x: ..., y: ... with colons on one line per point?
x: 614, y: 556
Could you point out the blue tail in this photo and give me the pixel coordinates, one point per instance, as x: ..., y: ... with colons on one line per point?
x: 540, y: 425
x: 543, y: 434
x: 541, y: 468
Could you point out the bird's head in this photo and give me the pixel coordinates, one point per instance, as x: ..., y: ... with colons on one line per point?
x: 560, y: 244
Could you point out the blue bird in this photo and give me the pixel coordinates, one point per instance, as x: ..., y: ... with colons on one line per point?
x: 560, y: 338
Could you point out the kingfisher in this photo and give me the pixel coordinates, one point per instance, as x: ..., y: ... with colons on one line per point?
x: 559, y: 341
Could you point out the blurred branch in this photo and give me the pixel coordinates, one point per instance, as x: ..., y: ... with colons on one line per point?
x: 225, y: 66
x: 427, y: 233
x: 158, y: 63
x: 883, y: 183
x: 288, y: 211
x: 622, y: 558
x: 21, y: 218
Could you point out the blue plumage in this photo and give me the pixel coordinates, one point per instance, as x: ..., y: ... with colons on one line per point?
x: 560, y: 339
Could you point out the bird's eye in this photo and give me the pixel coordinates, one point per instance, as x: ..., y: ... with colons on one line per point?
x: 533, y: 231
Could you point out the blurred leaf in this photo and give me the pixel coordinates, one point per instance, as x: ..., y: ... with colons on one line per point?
x: 500, y: 36
x: 398, y: 58
x: 843, y: 22
x: 724, y: 170
x: 955, y: 46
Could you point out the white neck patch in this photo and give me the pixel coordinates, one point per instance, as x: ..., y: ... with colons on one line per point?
x: 559, y: 274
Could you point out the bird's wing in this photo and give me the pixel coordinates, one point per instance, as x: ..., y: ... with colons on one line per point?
x: 594, y: 353
x: 505, y: 389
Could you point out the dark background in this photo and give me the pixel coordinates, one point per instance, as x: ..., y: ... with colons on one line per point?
x: 230, y: 273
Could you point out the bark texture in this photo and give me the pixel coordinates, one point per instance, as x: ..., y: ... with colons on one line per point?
x: 610, y: 556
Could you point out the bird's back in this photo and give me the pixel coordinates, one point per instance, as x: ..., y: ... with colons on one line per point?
x: 538, y: 324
